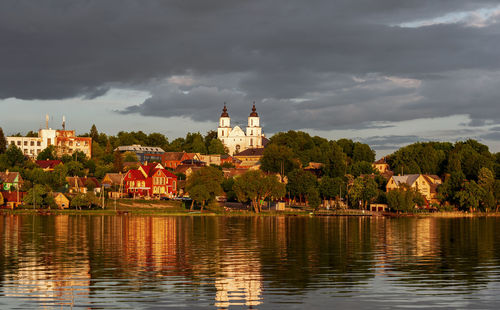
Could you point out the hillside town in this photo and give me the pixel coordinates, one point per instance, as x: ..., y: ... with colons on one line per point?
x: 55, y: 168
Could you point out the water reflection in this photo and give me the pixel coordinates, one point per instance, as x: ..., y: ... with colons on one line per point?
x: 247, y: 262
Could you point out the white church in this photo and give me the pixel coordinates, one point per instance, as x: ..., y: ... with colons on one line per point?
x: 235, y: 139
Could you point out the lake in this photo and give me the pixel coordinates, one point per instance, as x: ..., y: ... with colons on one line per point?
x: 212, y: 262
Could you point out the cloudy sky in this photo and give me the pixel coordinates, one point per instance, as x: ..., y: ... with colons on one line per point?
x: 385, y: 72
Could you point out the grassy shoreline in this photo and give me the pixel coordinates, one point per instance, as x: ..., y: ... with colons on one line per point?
x: 174, y: 208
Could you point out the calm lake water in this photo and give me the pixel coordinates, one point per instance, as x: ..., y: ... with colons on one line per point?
x: 133, y: 262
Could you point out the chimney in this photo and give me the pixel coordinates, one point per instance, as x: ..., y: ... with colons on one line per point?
x: 46, y: 121
x: 64, y: 123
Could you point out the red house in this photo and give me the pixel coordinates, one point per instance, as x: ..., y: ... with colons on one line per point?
x: 151, y: 180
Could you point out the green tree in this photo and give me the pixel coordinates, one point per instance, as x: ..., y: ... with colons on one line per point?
x: 255, y: 186
x: 75, y: 168
x: 363, y: 190
x: 361, y: 167
x: 469, y: 198
x: 14, y: 156
x: 486, y: 180
x: 337, y: 161
x: 49, y: 153
x: 217, y: 147
x: 157, y: 139
x: 94, y: 134
x: 362, y: 152
x: 404, y: 199
x: 118, y: 161
x: 87, y: 200
x: 331, y: 187
x: 36, y: 195
x: 3, y: 142
x: 278, y: 159
x: 204, y: 184
x: 313, y: 198
x: 300, y: 182
x: 130, y: 157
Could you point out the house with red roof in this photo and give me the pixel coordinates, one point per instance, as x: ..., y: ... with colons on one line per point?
x: 151, y: 180
x: 47, y: 165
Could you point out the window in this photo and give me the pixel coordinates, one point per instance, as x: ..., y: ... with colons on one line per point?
x: 32, y: 143
x: 18, y: 142
x: 38, y: 143
x: 25, y: 143
x: 12, y: 143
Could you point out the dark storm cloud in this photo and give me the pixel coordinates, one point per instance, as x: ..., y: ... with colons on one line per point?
x: 308, y: 64
x: 493, y: 134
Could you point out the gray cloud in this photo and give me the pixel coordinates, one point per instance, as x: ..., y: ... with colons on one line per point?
x: 321, y: 65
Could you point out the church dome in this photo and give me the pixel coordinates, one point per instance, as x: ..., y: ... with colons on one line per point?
x: 224, y: 111
x: 254, y: 111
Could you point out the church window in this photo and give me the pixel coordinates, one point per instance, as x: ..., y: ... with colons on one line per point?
x: 251, y: 122
x: 251, y: 132
x: 251, y: 142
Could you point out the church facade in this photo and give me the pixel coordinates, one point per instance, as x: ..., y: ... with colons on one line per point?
x: 237, y: 140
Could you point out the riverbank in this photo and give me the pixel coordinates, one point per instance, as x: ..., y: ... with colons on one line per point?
x: 178, y: 208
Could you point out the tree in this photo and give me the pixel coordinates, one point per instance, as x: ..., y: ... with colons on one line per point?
x: 313, y: 198
x: 486, y: 180
x: 14, y: 156
x: 75, y: 168
x: 337, y: 161
x: 3, y: 142
x: 278, y: 159
x: 204, y: 184
x: 404, y: 199
x: 118, y: 161
x: 300, y: 182
x: 130, y: 157
x: 157, y: 139
x: 331, y: 187
x: 94, y: 134
x: 84, y: 200
x: 469, y: 197
x: 255, y: 186
x: 49, y: 153
x: 362, y: 152
x: 36, y: 195
x: 363, y: 190
x: 217, y: 147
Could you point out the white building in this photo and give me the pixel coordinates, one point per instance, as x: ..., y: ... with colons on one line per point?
x: 235, y: 139
x: 64, y: 141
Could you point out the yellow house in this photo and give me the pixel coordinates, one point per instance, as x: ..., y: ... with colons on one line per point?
x: 381, y: 165
x: 61, y: 201
x: 425, y: 184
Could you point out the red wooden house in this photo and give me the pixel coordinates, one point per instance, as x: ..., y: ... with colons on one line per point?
x: 151, y: 180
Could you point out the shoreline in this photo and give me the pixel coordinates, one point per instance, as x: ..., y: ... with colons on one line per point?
x: 170, y: 210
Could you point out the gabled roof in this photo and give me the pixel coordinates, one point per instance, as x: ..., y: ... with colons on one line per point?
x: 114, y: 178
x: 405, y: 179
x: 91, y: 179
x: 172, y: 156
x: 251, y: 152
x: 9, y: 177
x: 237, y: 132
x: 47, y: 164
x: 136, y: 174
x: 380, y: 161
x: 75, y: 181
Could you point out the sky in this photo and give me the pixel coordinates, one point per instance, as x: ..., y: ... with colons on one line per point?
x: 386, y: 72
